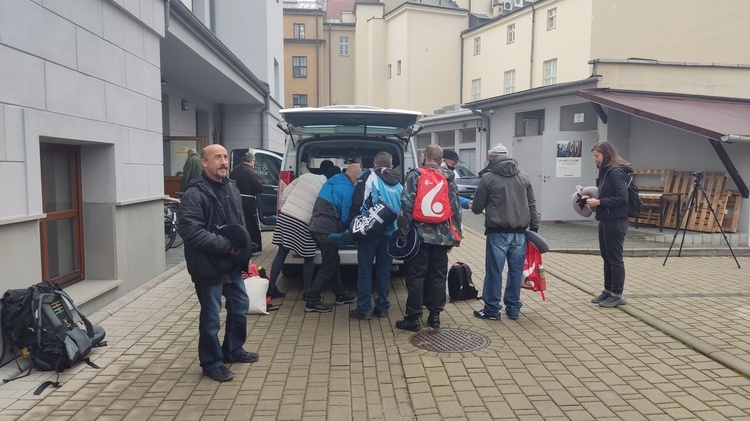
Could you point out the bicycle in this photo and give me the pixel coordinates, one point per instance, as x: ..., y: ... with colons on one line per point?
x: 171, y: 212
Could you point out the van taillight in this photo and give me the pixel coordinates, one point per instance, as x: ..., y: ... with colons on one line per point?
x: 286, y: 177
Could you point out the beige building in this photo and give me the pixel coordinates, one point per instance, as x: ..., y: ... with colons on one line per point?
x: 533, y: 73
x: 304, y: 63
x: 339, y: 56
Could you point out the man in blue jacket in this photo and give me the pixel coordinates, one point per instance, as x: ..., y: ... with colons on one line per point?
x: 382, y: 183
x: 211, y: 201
x: 331, y: 216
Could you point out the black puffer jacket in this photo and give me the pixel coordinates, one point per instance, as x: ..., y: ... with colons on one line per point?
x: 613, y: 192
x: 201, y: 214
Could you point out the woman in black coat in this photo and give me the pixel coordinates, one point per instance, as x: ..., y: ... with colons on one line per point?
x: 612, y: 214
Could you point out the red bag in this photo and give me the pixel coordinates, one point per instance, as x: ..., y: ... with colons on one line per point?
x: 431, y: 204
x: 533, y: 270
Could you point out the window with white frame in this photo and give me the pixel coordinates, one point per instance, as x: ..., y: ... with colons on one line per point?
x: 299, y: 100
x: 552, y: 18
x: 477, y: 45
x: 389, y: 71
x: 550, y: 72
x: 343, y: 46
x: 398, y: 67
x: 468, y: 136
x: 511, y: 33
x: 468, y: 158
x: 476, y: 89
x: 299, y: 30
x: 299, y: 66
x: 510, y: 81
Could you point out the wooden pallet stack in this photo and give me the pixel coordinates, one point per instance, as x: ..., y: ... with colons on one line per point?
x: 725, y: 203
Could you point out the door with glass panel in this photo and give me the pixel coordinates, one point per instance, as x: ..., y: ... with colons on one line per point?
x: 62, y: 228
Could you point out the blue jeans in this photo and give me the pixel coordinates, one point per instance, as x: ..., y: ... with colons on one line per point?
x: 210, y: 352
x: 502, y: 247
x: 367, y: 251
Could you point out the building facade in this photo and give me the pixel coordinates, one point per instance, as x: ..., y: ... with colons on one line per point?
x: 98, y: 106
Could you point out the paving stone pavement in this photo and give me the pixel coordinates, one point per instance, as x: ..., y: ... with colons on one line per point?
x: 564, y: 358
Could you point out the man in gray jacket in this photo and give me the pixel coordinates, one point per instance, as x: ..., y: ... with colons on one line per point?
x: 507, y: 198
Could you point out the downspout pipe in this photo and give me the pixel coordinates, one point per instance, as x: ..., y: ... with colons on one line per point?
x: 222, y: 112
x: 531, y: 53
x: 166, y: 14
x: 486, y: 124
x: 461, y: 72
x: 264, y: 142
x: 330, y: 72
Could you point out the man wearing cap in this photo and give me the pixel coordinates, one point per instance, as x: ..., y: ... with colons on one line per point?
x: 450, y: 160
x: 506, y: 196
x: 427, y: 272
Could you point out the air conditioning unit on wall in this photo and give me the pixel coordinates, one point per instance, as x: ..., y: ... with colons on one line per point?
x: 507, y: 6
x: 518, y: 4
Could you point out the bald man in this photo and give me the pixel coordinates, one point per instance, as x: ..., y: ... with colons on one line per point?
x: 331, y: 216
x: 209, y: 202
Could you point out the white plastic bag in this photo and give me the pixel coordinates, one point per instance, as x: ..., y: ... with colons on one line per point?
x: 256, y: 290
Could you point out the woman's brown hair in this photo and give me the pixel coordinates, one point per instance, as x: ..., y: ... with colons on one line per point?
x: 610, y: 157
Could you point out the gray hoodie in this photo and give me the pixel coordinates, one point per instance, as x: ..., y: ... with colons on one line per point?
x: 506, y: 196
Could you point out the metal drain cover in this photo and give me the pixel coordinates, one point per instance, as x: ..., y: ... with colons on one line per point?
x: 449, y: 340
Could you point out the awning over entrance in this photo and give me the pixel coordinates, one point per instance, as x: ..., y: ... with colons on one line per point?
x: 709, y: 117
x: 714, y: 118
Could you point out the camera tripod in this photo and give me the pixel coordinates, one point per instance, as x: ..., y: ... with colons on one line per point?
x: 693, y: 204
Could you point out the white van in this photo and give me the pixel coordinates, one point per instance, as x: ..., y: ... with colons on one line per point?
x: 344, y: 134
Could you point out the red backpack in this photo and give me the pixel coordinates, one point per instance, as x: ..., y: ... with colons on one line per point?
x: 432, y: 205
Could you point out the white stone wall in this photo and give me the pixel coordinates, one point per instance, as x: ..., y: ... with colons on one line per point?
x: 85, y: 73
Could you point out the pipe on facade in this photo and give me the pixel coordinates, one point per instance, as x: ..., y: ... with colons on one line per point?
x: 531, y: 53
x: 486, y: 123
x: 221, y: 123
x: 166, y: 15
x: 264, y: 142
x: 330, y: 71
x: 212, y: 11
x: 461, y: 72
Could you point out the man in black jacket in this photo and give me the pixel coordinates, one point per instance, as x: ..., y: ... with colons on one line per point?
x: 212, y: 201
x: 249, y: 185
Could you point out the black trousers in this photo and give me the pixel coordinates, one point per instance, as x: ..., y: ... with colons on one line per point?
x: 250, y: 211
x: 611, y: 241
x: 328, y: 274
x: 426, y: 275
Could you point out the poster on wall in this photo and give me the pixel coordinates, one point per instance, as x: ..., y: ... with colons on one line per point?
x: 568, y: 161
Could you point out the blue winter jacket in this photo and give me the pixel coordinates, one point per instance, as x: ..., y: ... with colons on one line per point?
x: 331, y: 210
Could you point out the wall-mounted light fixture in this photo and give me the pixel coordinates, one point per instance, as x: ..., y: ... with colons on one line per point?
x: 185, y: 105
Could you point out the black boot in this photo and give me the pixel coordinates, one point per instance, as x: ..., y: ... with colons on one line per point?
x: 409, y: 323
x: 433, y: 320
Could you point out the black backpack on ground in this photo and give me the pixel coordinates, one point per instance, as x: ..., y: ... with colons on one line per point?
x: 460, y: 286
x: 635, y: 204
x: 39, y: 320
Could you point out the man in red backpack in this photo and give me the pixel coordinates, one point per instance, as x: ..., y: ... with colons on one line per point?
x: 430, y: 204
